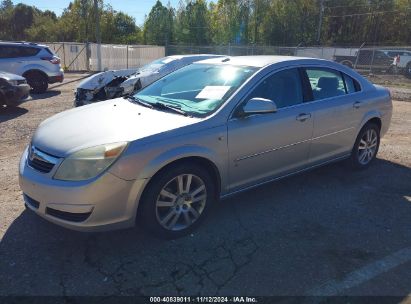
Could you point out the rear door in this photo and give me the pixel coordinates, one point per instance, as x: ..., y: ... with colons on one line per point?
x: 337, y: 110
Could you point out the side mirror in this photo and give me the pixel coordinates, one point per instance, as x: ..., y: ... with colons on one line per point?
x: 259, y: 106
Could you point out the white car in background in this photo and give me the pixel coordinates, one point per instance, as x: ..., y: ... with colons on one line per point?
x: 35, y: 62
x: 117, y: 83
x: 405, y: 60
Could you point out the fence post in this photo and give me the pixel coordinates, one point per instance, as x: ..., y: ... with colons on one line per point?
x: 64, y: 57
x: 127, y: 55
x: 372, y: 60
x: 88, y: 56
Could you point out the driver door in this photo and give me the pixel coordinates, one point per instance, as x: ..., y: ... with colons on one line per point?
x: 265, y: 146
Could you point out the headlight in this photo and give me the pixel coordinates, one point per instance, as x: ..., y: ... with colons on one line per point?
x: 88, y: 163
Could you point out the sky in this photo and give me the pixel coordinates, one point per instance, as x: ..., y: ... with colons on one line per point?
x: 135, y: 8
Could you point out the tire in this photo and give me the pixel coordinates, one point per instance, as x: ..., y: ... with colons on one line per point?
x: 169, y: 217
x: 366, y: 146
x: 37, y: 81
x: 407, y: 71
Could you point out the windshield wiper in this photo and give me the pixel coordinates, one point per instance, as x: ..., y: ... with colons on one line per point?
x: 163, y: 106
x: 157, y: 105
x: 140, y: 102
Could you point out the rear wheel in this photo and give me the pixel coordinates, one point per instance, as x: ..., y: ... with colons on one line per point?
x: 366, y: 146
x: 37, y: 81
x: 177, y: 200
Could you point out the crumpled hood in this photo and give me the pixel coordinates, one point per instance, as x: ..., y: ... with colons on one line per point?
x: 99, y: 80
x: 105, y: 122
x: 145, y: 77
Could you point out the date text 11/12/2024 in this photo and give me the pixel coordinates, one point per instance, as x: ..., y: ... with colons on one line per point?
x: 203, y: 299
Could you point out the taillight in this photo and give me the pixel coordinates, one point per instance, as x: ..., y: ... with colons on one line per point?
x: 53, y: 60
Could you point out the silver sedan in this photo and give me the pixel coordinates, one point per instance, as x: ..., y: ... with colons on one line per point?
x: 214, y: 128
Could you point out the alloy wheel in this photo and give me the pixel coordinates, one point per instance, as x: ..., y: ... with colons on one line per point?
x: 181, y: 202
x: 367, y: 146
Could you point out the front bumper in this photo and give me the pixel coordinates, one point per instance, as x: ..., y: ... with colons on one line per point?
x: 104, y: 203
x: 83, y: 97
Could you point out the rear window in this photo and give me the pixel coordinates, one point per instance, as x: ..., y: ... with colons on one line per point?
x: 28, y: 51
x: 49, y: 51
x: 325, y: 83
x: 351, y: 84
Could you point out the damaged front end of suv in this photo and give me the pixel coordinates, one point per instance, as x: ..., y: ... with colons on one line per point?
x: 104, y: 85
x: 118, y: 83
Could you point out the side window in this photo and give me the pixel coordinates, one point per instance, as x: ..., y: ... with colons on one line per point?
x: 6, y: 51
x: 325, y: 83
x: 351, y: 84
x: 284, y: 88
x: 2, y: 51
x: 27, y: 51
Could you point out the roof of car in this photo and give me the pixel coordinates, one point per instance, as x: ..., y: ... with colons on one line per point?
x: 396, y: 50
x: 194, y: 55
x: 256, y: 61
x: 22, y: 43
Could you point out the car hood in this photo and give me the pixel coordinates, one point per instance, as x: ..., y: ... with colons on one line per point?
x: 111, y: 121
x: 8, y: 76
x: 99, y: 80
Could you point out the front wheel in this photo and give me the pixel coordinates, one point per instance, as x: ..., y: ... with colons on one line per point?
x: 177, y: 200
x: 366, y: 146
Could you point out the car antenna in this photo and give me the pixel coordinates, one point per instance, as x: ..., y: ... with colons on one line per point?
x: 226, y: 59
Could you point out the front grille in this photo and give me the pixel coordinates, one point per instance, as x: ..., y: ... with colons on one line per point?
x: 31, y: 202
x: 41, y: 166
x: 41, y: 161
x: 68, y: 216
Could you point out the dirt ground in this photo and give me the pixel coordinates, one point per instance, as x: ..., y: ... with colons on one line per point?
x: 329, y: 235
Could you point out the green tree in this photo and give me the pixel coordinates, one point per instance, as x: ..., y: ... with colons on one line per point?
x: 158, y: 26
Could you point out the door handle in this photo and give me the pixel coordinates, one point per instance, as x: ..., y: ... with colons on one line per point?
x: 303, y: 117
x: 357, y: 104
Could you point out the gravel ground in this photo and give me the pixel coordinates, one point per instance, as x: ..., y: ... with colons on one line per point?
x: 330, y: 231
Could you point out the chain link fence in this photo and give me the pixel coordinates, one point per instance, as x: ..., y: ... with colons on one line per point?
x: 384, y: 65
x: 375, y: 60
x: 83, y: 56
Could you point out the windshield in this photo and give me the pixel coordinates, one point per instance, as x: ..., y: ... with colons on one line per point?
x: 156, y: 64
x: 197, y: 89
